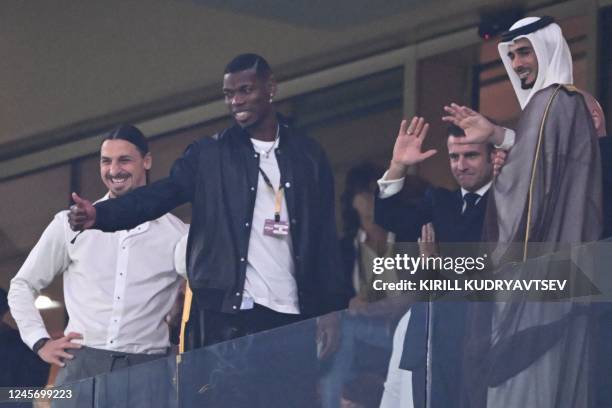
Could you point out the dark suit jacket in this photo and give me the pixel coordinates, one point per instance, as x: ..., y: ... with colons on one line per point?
x: 443, y: 322
x: 439, y: 206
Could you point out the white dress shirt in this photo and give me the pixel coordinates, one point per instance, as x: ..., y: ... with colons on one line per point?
x: 118, y: 287
x: 398, y: 391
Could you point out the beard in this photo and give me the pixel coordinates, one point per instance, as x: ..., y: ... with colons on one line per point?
x: 525, y: 85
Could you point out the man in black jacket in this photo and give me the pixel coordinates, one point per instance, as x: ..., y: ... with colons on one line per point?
x: 262, y: 248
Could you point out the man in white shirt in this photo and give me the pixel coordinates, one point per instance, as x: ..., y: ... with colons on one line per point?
x: 118, y: 287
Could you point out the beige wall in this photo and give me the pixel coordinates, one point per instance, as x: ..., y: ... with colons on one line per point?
x: 70, y: 65
x: 443, y: 79
x: 353, y: 140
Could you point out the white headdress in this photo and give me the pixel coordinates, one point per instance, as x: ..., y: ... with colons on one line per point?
x: 551, y: 49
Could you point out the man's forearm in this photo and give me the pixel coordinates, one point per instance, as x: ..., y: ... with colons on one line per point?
x: 396, y: 171
x: 21, y: 299
x: 143, y: 204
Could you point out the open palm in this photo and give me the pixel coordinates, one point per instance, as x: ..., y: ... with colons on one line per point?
x: 407, y: 149
x: 477, y: 128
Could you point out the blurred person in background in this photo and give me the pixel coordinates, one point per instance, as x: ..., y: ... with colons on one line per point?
x: 20, y: 366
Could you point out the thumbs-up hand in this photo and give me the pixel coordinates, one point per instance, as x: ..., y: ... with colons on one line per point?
x: 82, y: 214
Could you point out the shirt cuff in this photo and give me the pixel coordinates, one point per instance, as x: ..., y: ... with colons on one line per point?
x: 508, y: 142
x: 31, y: 338
x: 389, y: 187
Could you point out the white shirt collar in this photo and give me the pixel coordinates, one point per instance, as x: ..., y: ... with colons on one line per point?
x: 104, y: 197
x: 481, y: 191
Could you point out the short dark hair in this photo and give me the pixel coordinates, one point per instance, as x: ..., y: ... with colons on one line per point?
x: 244, y: 62
x: 131, y: 134
x: 455, y: 130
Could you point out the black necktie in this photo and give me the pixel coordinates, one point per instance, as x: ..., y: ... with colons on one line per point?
x: 470, y: 201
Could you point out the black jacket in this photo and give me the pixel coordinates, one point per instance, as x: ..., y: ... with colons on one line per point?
x: 218, y: 175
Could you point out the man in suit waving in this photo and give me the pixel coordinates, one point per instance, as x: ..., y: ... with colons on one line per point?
x: 454, y: 216
x: 457, y: 216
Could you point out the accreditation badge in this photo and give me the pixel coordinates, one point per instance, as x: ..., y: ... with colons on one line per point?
x: 277, y: 229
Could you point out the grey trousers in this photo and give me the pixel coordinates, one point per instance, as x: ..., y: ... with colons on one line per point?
x: 89, y: 362
x: 122, y: 387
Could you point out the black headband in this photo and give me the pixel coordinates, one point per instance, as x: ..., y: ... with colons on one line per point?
x: 528, y: 29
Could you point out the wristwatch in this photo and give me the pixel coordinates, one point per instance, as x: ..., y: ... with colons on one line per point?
x: 39, y: 344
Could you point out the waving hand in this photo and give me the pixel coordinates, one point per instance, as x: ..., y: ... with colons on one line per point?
x: 407, y: 149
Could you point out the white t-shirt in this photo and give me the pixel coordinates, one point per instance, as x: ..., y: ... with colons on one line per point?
x: 270, y: 272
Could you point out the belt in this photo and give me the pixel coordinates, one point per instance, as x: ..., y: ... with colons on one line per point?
x: 128, y: 358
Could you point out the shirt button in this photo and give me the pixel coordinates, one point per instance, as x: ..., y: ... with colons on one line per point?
x: 118, y: 297
x: 234, y: 307
x: 242, y: 259
x: 122, y: 247
x: 252, y: 188
x: 293, y: 221
x: 287, y: 184
x: 255, y: 155
x: 237, y: 293
x: 112, y: 341
x: 278, y: 151
x: 246, y: 224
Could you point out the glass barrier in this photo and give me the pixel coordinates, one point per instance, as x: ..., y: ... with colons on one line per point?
x: 514, y: 345
x: 152, y: 384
